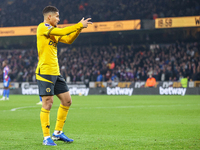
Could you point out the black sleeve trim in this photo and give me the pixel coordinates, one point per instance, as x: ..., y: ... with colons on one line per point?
x: 60, y: 38
x: 50, y: 31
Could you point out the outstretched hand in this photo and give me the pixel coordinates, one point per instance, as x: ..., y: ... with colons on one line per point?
x: 86, y: 22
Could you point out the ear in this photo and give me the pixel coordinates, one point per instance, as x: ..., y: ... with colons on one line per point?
x: 49, y: 17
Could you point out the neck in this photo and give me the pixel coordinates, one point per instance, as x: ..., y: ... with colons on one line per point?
x: 46, y: 21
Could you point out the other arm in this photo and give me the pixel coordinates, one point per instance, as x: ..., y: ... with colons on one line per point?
x: 69, y: 39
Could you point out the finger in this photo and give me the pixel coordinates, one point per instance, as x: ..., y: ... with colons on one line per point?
x: 89, y: 22
x: 82, y: 19
x: 88, y: 19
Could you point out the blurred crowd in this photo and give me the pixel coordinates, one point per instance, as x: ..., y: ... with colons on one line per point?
x: 112, y: 63
x: 22, y: 64
x: 26, y: 12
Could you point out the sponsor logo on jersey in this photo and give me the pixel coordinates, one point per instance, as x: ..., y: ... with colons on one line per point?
x: 53, y: 43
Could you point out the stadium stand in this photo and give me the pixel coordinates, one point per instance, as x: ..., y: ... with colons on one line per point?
x: 25, y: 13
x: 167, y: 62
x: 128, y: 62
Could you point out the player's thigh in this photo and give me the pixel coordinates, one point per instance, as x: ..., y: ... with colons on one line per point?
x: 62, y: 91
x: 65, y: 98
x: 46, y: 90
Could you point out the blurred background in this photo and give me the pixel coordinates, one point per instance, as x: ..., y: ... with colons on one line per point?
x: 163, y: 40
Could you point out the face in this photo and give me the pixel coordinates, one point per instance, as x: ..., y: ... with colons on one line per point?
x: 54, y: 19
x: 3, y: 64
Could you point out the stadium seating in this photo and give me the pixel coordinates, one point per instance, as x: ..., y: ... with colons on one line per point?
x: 122, y: 63
x: 15, y: 13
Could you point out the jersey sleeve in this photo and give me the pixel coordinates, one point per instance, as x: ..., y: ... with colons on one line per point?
x: 66, y: 30
x: 69, y: 39
x: 45, y: 29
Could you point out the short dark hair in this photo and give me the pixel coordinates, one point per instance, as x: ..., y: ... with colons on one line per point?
x: 48, y: 9
x: 6, y: 62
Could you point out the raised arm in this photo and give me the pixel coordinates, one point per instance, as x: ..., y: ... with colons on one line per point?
x: 69, y: 39
x: 67, y: 30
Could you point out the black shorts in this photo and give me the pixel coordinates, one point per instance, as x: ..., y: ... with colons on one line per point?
x: 51, y: 85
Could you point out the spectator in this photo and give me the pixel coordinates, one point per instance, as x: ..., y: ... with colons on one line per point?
x: 143, y: 76
x: 113, y: 77
x: 99, y: 77
x: 151, y: 81
x: 65, y: 21
x: 132, y: 62
x: 184, y: 82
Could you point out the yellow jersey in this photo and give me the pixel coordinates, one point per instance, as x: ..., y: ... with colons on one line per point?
x: 47, y: 39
